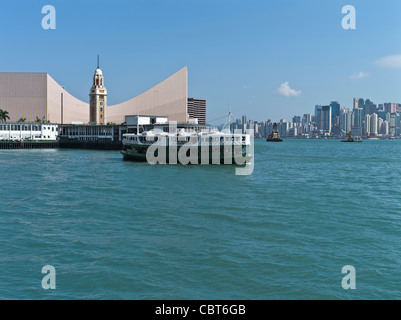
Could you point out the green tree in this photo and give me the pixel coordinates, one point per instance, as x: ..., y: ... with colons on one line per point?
x: 4, y: 115
x: 21, y: 119
x: 38, y: 119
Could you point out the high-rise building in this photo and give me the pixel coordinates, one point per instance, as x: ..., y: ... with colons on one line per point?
x: 361, y: 103
x: 283, y: 127
x: 269, y: 127
x: 379, y: 125
x: 197, y: 110
x: 383, y: 115
x: 355, y: 103
x: 325, y: 120
x: 393, y: 124
x: 367, y: 108
x: 358, y: 117
x: 317, y: 108
x: 390, y: 107
x: 373, y: 124
x: 366, y: 125
x: 296, y: 119
x: 244, y: 120
x: 346, y: 120
x: 386, y: 128
x: 397, y: 124
x: 335, y: 109
x: 307, y: 118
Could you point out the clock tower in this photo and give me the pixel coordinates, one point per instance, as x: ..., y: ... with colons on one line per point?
x: 97, y: 98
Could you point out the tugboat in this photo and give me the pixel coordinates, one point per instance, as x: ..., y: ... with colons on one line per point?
x: 352, y: 139
x: 274, y: 136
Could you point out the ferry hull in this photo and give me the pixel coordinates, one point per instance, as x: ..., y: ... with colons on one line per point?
x: 140, y: 156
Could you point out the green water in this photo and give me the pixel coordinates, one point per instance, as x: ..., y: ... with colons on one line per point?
x: 123, y: 230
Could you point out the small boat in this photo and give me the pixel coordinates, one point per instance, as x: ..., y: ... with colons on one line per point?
x: 274, y: 136
x: 352, y: 139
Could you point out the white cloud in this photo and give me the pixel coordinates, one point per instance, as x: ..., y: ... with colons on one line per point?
x: 246, y: 86
x: 359, y: 75
x: 393, y: 62
x: 286, y: 91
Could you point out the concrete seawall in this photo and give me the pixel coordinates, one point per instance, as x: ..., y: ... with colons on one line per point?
x: 59, y: 144
x: 28, y: 145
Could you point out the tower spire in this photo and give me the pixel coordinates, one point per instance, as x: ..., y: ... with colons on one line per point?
x: 98, y: 61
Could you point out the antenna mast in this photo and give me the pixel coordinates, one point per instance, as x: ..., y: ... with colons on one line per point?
x: 98, y: 61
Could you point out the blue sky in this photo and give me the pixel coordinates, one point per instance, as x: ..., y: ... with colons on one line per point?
x: 237, y: 52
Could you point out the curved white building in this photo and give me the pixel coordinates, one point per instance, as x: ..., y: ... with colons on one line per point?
x: 31, y: 95
x: 168, y: 98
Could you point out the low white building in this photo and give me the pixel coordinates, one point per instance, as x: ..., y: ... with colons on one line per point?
x: 17, y: 131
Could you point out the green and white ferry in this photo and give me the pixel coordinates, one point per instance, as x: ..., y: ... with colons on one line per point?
x: 184, y: 145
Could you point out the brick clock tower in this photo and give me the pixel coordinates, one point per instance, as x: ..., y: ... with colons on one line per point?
x: 97, y: 98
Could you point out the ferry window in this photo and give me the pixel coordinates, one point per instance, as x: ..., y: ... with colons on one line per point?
x: 53, y: 129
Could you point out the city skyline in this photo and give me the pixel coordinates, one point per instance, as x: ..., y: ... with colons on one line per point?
x: 365, y: 119
x: 274, y: 59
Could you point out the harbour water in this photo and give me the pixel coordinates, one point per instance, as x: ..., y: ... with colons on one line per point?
x: 123, y: 230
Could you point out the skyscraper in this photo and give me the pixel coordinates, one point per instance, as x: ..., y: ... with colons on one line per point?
x: 358, y: 117
x: 355, y: 103
x: 335, y: 109
x: 361, y: 103
x: 296, y: 119
x: 373, y: 124
x: 325, y: 120
x: 366, y: 125
x: 390, y: 107
x: 367, y: 108
x: 346, y: 120
x: 317, y: 108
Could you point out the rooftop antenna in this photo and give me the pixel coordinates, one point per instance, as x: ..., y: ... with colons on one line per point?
x: 98, y: 61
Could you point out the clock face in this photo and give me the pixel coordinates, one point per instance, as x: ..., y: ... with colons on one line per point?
x: 101, y: 103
